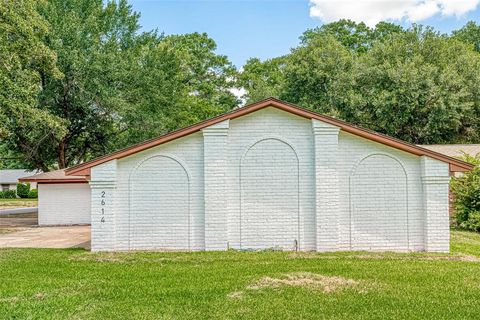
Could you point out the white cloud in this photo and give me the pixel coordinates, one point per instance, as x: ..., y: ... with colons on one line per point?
x: 373, y: 11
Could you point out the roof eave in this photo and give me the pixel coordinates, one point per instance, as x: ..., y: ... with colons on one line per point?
x: 79, y: 180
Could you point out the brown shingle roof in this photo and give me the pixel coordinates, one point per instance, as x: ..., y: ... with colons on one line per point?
x: 454, y: 150
x: 57, y: 176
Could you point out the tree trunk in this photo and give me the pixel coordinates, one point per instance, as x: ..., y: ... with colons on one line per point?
x: 61, y: 155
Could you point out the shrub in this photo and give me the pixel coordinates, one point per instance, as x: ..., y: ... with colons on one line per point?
x: 33, y: 194
x: 8, y: 194
x: 23, y: 189
x: 466, y: 190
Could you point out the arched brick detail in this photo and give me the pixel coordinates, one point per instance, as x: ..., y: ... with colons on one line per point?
x: 379, y: 204
x: 159, y: 200
x: 269, y: 196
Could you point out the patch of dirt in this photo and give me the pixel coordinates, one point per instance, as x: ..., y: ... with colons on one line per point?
x: 385, y: 256
x: 236, y: 295
x: 312, y: 255
x: 454, y: 258
x: 126, y: 257
x: 458, y: 257
x: 40, y: 296
x: 327, y: 284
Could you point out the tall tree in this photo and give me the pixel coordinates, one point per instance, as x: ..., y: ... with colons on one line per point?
x: 173, y: 82
x: 24, y: 60
x: 105, y: 84
x: 207, y: 78
x: 89, y: 40
x: 269, y: 78
x: 419, y: 86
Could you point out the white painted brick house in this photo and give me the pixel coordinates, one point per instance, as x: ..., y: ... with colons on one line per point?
x: 268, y: 175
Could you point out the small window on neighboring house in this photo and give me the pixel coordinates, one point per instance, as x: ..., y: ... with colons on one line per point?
x: 5, y: 187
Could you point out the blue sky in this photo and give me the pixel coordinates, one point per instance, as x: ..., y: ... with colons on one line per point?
x: 269, y: 28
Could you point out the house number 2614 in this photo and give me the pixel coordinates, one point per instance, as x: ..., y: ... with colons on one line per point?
x: 102, y: 205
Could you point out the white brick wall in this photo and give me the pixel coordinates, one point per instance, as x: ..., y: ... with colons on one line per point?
x: 63, y: 204
x: 270, y: 179
x: 269, y: 196
x: 273, y: 130
x: 159, y: 205
x: 327, y: 210
x: 352, y: 150
x: 104, y: 200
x: 378, y: 205
x: 436, y: 206
x: 215, y: 139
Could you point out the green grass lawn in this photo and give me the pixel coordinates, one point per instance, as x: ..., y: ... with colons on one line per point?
x: 76, y: 284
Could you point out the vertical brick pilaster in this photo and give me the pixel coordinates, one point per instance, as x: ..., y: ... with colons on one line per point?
x: 103, y: 186
x: 215, y: 167
x: 326, y: 185
x: 435, y: 180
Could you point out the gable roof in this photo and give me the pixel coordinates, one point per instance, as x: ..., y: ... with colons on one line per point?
x: 455, y: 164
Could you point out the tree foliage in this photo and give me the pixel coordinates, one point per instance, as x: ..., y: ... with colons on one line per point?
x: 94, y: 83
x: 466, y: 191
x: 416, y: 84
x: 262, y: 79
x: 469, y: 33
x: 79, y: 80
x: 24, y: 57
x: 357, y: 37
x: 313, y: 72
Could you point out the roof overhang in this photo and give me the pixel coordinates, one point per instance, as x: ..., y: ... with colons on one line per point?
x: 57, y: 176
x: 455, y: 164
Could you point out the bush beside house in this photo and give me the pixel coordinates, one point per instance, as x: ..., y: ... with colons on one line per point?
x: 466, y: 190
x: 23, y: 190
x: 33, y: 194
x: 8, y: 194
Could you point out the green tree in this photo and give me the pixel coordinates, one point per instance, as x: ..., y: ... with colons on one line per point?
x: 269, y: 78
x: 24, y: 58
x: 173, y: 82
x: 469, y: 33
x: 207, y: 79
x: 419, y: 86
x: 312, y: 72
x: 105, y: 85
x: 357, y: 37
x: 90, y: 40
x: 262, y: 79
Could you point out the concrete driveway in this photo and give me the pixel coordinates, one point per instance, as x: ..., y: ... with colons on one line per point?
x: 46, y: 237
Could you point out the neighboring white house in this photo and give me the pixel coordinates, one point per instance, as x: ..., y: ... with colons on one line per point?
x: 62, y: 200
x: 10, y: 177
x: 268, y: 175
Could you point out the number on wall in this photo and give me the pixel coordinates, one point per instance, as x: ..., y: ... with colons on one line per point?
x: 102, y: 203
